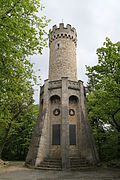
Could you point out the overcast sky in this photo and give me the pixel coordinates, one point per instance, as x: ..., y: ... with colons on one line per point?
x: 94, y: 20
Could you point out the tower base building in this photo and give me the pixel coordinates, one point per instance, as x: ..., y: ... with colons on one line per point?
x: 62, y: 137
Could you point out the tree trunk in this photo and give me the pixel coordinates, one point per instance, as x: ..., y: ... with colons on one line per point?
x: 4, y: 139
x: 118, y: 149
x: 118, y: 130
x: 98, y: 142
x: 115, y: 121
x: 21, y: 108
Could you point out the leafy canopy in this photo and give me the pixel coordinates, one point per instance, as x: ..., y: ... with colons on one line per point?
x: 104, y: 84
x: 22, y: 33
x: 19, y: 137
x: 103, y: 100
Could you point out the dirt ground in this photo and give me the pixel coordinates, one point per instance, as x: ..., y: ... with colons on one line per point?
x: 17, y: 171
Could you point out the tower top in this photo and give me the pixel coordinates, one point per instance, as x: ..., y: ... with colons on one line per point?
x: 62, y: 32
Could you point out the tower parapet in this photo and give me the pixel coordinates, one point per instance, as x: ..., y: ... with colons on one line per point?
x: 62, y: 44
x: 64, y: 32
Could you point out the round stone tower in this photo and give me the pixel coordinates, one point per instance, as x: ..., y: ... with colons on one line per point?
x: 62, y: 137
x: 62, y: 44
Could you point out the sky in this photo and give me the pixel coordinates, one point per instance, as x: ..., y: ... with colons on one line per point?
x: 94, y: 20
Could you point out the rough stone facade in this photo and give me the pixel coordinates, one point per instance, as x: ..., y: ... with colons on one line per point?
x: 62, y: 43
x: 62, y: 103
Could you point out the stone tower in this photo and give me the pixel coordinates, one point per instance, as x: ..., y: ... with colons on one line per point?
x: 62, y: 134
x: 62, y: 43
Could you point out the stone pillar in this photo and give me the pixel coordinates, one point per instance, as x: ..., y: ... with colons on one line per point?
x: 36, y: 136
x: 87, y: 143
x: 43, y: 149
x: 65, y: 125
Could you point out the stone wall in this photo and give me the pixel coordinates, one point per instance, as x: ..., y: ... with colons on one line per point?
x: 86, y: 143
x: 43, y: 148
x: 63, y: 95
x: 62, y: 53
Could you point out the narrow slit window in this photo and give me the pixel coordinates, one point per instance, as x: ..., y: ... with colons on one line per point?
x: 56, y: 134
x: 72, y: 134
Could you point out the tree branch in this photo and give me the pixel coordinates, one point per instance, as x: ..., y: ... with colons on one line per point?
x: 115, y: 122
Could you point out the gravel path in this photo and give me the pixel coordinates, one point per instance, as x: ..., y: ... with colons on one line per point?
x: 19, y: 172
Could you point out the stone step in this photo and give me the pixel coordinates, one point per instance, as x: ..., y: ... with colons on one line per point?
x: 52, y: 160
x: 56, y: 164
x: 78, y: 159
x: 78, y: 163
x: 50, y: 163
x: 52, y: 167
x: 81, y: 168
x: 49, y: 168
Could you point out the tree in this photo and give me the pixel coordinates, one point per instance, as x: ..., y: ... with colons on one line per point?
x: 104, y: 83
x: 104, y: 87
x: 20, y: 134
x: 22, y: 33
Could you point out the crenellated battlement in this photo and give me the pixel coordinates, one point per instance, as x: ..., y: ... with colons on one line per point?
x: 62, y: 32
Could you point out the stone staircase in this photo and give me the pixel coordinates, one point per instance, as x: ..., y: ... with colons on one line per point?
x: 78, y: 163
x: 51, y: 164
x: 56, y: 164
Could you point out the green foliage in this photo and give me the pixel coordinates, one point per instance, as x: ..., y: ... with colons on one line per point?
x: 114, y: 163
x: 19, y: 137
x: 22, y: 33
x: 103, y: 100
x: 106, y: 140
x: 104, y: 84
